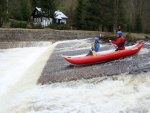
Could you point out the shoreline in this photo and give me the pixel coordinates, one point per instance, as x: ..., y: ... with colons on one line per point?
x: 17, y: 34
x: 10, y: 37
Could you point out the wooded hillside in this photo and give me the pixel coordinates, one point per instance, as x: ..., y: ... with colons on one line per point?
x: 104, y: 15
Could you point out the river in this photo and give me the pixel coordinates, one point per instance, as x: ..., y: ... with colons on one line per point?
x: 20, y: 69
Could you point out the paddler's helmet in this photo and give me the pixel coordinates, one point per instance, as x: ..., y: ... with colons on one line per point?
x: 119, y: 33
x: 96, y: 38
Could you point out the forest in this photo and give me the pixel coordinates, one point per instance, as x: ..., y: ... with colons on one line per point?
x: 96, y: 15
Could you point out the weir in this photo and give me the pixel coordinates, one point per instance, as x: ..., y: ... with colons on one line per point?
x: 20, y: 92
x: 21, y: 44
x: 58, y: 70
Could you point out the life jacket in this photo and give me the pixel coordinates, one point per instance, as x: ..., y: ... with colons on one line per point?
x: 121, y: 41
x: 95, y: 47
x: 121, y: 44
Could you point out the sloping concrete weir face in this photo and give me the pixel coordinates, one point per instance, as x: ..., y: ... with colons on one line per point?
x: 59, y: 70
x: 21, y: 44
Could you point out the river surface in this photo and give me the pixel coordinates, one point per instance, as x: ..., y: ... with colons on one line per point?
x: 20, y: 69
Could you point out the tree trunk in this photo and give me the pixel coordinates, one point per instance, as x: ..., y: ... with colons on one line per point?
x: 115, y: 16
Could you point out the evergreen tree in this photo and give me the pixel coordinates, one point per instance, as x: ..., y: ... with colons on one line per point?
x: 138, y: 24
x: 14, y: 10
x: 121, y: 15
x: 78, y: 20
x: 3, y: 11
x: 33, y: 3
x: 92, y: 17
x: 48, y: 7
x: 128, y: 27
x: 25, y: 11
x: 107, y: 15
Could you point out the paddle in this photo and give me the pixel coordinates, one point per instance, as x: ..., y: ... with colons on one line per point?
x: 94, y: 53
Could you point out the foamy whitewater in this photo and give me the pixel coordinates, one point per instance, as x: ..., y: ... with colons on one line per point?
x: 21, y: 67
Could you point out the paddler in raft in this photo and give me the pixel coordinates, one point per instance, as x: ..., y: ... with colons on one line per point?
x: 95, y: 47
x: 119, y: 43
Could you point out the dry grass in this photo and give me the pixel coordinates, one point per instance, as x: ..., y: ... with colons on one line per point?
x: 137, y: 35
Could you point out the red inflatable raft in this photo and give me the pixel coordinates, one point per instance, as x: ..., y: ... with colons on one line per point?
x: 104, y: 55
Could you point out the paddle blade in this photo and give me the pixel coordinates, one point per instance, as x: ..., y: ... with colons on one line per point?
x: 94, y: 53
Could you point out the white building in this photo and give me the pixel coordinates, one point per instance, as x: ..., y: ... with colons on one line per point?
x: 39, y: 18
x: 60, y: 17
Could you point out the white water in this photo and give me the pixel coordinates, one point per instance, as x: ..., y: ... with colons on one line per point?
x: 21, y: 67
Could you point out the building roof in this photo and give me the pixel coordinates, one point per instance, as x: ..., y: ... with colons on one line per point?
x: 60, y: 15
x: 39, y: 9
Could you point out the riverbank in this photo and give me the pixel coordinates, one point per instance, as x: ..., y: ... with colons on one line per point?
x: 10, y: 34
x: 11, y: 38
x: 43, y: 34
